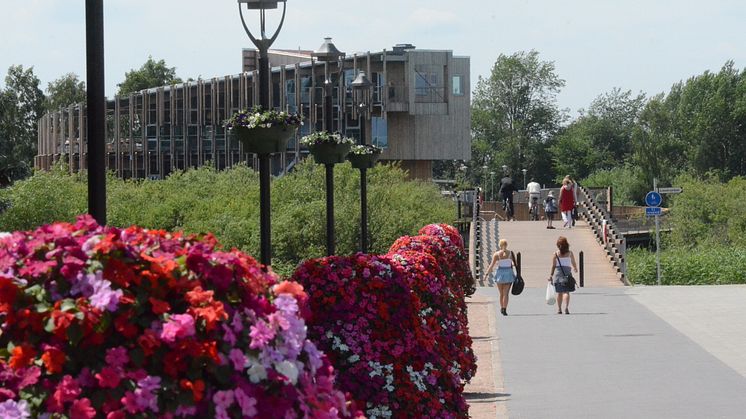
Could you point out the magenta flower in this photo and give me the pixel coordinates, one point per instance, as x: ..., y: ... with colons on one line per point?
x: 179, y: 326
x: 238, y: 359
x: 246, y: 403
x: 260, y: 334
x: 117, y: 357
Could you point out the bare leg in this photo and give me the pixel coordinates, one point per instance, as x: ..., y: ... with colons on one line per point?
x: 559, y: 302
x: 567, y: 303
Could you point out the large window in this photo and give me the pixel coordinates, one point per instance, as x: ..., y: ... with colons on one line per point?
x: 380, y: 132
x: 429, y: 83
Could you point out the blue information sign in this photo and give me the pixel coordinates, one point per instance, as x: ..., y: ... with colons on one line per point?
x: 652, y: 211
x: 653, y: 199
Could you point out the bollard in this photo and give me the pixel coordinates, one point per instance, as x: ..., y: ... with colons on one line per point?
x: 518, y: 263
x: 582, y: 270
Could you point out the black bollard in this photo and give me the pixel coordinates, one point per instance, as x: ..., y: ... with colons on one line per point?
x: 582, y: 270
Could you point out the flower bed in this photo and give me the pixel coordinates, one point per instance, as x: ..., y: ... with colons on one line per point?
x: 369, y: 323
x: 103, y: 322
x: 394, y: 326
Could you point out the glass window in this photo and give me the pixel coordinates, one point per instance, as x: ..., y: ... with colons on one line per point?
x: 457, y: 85
x: 380, y: 132
x: 429, y: 83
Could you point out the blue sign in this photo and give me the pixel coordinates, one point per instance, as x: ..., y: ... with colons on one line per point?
x: 653, y: 199
x: 652, y: 211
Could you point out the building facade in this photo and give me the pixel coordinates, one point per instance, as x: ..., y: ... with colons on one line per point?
x: 418, y: 112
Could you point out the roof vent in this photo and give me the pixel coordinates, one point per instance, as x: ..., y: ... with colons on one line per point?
x: 400, y: 48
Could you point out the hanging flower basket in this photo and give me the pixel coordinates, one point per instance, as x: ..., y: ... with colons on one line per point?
x: 327, y: 148
x: 264, y: 140
x: 364, y: 156
x: 263, y: 132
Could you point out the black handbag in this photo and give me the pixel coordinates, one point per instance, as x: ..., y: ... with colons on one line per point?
x: 566, y: 280
x: 518, y: 285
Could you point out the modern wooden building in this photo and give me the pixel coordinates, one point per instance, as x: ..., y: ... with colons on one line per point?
x: 418, y: 112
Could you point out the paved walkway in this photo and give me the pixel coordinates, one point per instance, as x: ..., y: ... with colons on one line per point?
x: 537, y: 244
x: 642, y: 352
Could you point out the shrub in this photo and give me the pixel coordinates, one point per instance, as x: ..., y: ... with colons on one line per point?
x: 627, y: 182
x: 121, y: 323
x: 226, y: 203
x: 689, y: 266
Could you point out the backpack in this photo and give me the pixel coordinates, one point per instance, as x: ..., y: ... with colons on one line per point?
x: 550, y: 205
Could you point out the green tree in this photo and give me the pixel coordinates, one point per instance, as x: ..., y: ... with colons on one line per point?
x: 21, y: 105
x: 601, y: 138
x: 151, y: 74
x: 65, y: 91
x: 515, y: 115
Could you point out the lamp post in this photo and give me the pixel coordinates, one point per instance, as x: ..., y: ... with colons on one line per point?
x: 328, y: 53
x: 524, y: 177
x: 96, y: 109
x: 361, y: 100
x: 492, y: 185
x: 262, y: 44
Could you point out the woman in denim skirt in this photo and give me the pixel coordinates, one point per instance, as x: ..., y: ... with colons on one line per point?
x: 563, y: 263
x: 504, y: 275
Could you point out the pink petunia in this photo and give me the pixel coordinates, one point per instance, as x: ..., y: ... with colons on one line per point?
x: 82, y: 409
x: 117, y: 357
x: 260, y: 335
x: 179, y: 326
x: 108, y: 377
x: 238, y: 358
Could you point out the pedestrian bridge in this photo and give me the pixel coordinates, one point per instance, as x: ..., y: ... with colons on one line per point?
x: 537, y: 245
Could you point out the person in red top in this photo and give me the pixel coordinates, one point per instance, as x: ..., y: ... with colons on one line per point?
x: 567, y: 202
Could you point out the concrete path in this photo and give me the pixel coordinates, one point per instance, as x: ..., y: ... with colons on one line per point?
x: 623, y: 352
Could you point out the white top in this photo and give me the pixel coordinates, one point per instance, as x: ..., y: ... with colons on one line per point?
x: 505, y: 263
x: 566, y: 261
x: 533, y: 188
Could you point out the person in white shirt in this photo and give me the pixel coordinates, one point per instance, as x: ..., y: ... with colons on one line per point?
x: 534, y: 195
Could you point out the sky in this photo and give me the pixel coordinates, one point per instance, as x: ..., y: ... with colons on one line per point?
x: 596, y: 45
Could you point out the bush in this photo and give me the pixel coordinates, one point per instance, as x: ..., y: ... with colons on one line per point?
x: 627, y: 182
x: 689, y: 266
x: 122, y: 323
x: 226, y: 203
x: 709, y: 212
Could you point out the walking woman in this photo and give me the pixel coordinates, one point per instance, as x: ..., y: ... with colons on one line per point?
x: 504, y: 276
x: 567, y: 202
x: 563, y: 264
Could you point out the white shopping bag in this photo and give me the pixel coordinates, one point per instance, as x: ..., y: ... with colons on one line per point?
x: 551, y: 294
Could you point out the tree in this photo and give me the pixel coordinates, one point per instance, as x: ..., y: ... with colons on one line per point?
x: 21, y: 105
x: 601, y: 138
x: 151, y: 74
x: 65, y: 91
x: 515, y: 115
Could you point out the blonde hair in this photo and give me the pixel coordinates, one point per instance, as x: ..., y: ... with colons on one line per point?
x: 503, y: 244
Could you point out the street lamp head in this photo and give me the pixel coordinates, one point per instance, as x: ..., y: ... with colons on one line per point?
x: 328, y: 52
x: 492, y: 173
x: 361, y: 81
x: 524, y: 171
x: 261, y: 4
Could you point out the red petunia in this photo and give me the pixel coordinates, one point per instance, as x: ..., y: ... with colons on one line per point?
x: 53, y: 359
x: 197, y: 388
x: 158, y: 306
x: 22, y: 356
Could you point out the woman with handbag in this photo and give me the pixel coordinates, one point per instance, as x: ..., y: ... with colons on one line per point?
x: 563, y: 264
x: 504, y: 276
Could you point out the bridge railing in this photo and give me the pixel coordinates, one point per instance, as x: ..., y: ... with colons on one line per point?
x: 603, y: 226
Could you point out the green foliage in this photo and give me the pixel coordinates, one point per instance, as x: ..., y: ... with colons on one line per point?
x: 700, y: 266
x: 515, y: 115
x: 21, y: 105
x: 627, y: 182
x: 65, y: 91
x: 600, y: 138
x: 226, y: 203
x: 709, y: 212
x: 151, y: 74
x: 43, y: 198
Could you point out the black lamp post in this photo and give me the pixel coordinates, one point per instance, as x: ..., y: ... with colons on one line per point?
x: 96, y: 109
x: 361, y: 100
x: 329, y: 53
x: 263, y: 44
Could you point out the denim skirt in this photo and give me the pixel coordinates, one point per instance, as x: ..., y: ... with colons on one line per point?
x: 504, y: 276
